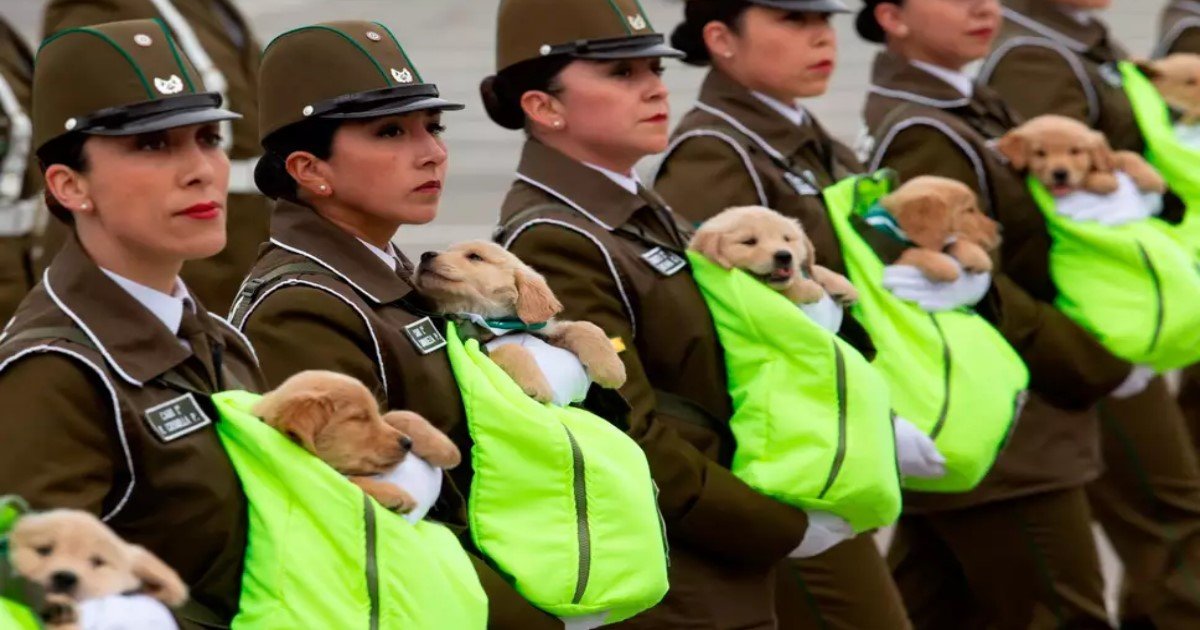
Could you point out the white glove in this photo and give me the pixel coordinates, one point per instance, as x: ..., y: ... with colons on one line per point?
x: 908, y: 283
x: 919, y: 456
x: 563, y: 371
x: 825, y: 531
x: 827, y: 313
x: 1138, y: 380
x: 125, y: 612
x: 420, y: 479
x: 1126, y: 205
x: 586, y: 622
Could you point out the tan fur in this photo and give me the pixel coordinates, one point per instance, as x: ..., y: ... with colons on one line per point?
x: 1065, y: 155
x: 335, y: 417
x: 482, y: 278
x: 752, y: 238
x: 76, y: 543
x: 942, y: 217
x: 1177, y: 78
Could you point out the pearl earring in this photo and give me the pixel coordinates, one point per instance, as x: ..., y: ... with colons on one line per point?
x: 558, y: 124
x: 324, y: 188
x: 728, y: 54
x: 86, y: 205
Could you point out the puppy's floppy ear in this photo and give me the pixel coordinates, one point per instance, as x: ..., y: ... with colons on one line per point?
x: 1103, y: 158
x: 1015, y: 148
x: 810, y: 255
x: 298, y: 415
x: 707, y: 242
x: 924, y: 215
x: 158, y: 580
x: 535, y: 301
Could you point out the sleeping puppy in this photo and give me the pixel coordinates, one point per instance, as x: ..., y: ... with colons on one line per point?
x: 483, y: 279
x: 1177, y: 78
x: 1065, y: 156
x: 941, y: 217
x: 772, y: 248
x: 75, y: 558
x: 335, y: 417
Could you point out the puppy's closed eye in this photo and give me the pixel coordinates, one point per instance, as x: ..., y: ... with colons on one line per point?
x: 750, y: 242
x: 98, y: 562
x: 44, y: 550
x: 474, y: 257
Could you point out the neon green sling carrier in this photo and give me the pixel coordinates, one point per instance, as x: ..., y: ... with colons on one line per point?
x: 1133, y: 286
x: 951, y: 374
x: 811, y: 417
x: 562, y: 501
x: 322, y: 554
x: 1178, y: 163
x: 13, y: 614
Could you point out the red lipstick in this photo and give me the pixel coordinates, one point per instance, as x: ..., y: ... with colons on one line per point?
x: 430, y: 187
x: 202, y: 211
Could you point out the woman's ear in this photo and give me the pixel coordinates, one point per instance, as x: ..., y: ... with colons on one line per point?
x: 719, y: 39
x: 310, y: 172
x: 70, y: 188
x: 543, y: 110
x: 890, y: 19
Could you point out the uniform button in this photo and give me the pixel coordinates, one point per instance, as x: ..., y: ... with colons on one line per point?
x: 545, y: 49
x: 71, y: 124
x: 373, y: 36
x: 308, y: 110
x: 143, y: 40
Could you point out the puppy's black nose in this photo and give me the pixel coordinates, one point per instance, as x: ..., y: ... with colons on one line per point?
x: 428, y: 256
x: 783, y: 258
x: 63, y: 581
x: 1060, y: 176
x: 406, y: 443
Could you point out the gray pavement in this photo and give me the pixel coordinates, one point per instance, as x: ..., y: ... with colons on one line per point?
x: 452, y: 43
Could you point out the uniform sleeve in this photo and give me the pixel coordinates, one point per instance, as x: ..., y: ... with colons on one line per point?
x: 1067, y: 365
x: 704, y: 505
x: 302, y: 328
x: 57, y: 434
x: 1035, y: 80
x: 702, y: 177
x: 64, y: 14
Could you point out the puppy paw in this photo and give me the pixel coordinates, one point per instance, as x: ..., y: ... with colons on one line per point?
x: 804, y: 291
x: 607, y: 372
x: 428, y: 442
x: 389, y: 495
x: 836, y: 285
x: 972, y: 257
x: 1100, y: 183
x: 588, y: 342
x: 520, y: 365
x: 936, y: 266
x: 1144, y: 176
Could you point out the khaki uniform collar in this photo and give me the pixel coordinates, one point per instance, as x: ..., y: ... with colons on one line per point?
x: 1190, y: 6
x: 723, y: 97
x: 1043, y: 18
x: 300, y: 230
x: 894, y: 77
x: 585, y: 189
x: 133, y: 341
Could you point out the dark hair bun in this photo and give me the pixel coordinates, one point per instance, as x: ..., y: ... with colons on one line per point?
x: 867, y: 26
x: 503, y: 105
x: 689, y: 38
x: 271, y: 177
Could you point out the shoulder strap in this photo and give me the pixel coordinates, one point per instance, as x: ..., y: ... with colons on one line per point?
x: 253, y: 286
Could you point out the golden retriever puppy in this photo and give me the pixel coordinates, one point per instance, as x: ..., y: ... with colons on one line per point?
x: 75, y: 557
x: 482, y: 278
x: 335, y: 417
x: 1065, y: 155
x: 941, y: 217
x: 773, y: 249
x: 1177, y: 78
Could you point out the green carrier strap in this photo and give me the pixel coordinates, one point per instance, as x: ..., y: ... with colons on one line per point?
x: 252, y: 286
x: 951, y: 374
x: 1176, y: 161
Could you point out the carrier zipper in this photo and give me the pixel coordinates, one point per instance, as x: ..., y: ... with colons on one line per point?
x: 1160, y: 301
x: 840, y: 456
x: 945, y: 411
x: 581, y: 519
x: 372, y: 564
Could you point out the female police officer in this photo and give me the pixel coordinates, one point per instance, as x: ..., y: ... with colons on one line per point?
x: 100, y: 368
x: 353, y: 153
x: 1149, y: 497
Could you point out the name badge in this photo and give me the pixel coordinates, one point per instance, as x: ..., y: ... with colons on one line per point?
x: 425, y: 336
x: 800, y: 184
x: 664, y: 261
x: 176, y: 418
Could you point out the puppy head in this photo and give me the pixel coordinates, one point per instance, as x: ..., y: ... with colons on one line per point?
x: 1059, y: 151
x: 72, y: 553
x: 485, y: 279
x: 759, y: 241
x: 335, y: 417
x: 929, y: 209
x: 1177, y: 78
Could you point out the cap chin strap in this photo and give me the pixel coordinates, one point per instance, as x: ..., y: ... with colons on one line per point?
x: 592, y: 46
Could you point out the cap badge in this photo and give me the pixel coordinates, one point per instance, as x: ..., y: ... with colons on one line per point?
x: 545, y: 49
x: 143, y: 40
x: 373, y: 36
x: 71, y: 124
x: 402, y: 76
x: 637, y: 22
x: 174, y: 85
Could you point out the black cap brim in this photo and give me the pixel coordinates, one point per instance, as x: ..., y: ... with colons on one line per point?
x: 164, y: 121
x: 806, y: 6
x: 634, y: 51
x: 156, y: 115
x: 403, y: 106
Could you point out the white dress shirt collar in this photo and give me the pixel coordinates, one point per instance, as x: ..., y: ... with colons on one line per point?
x: 388, y: 257
x: 958, y: 80
x: 794, y: 113
x: 168, y: 309
x: 629, y: 182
